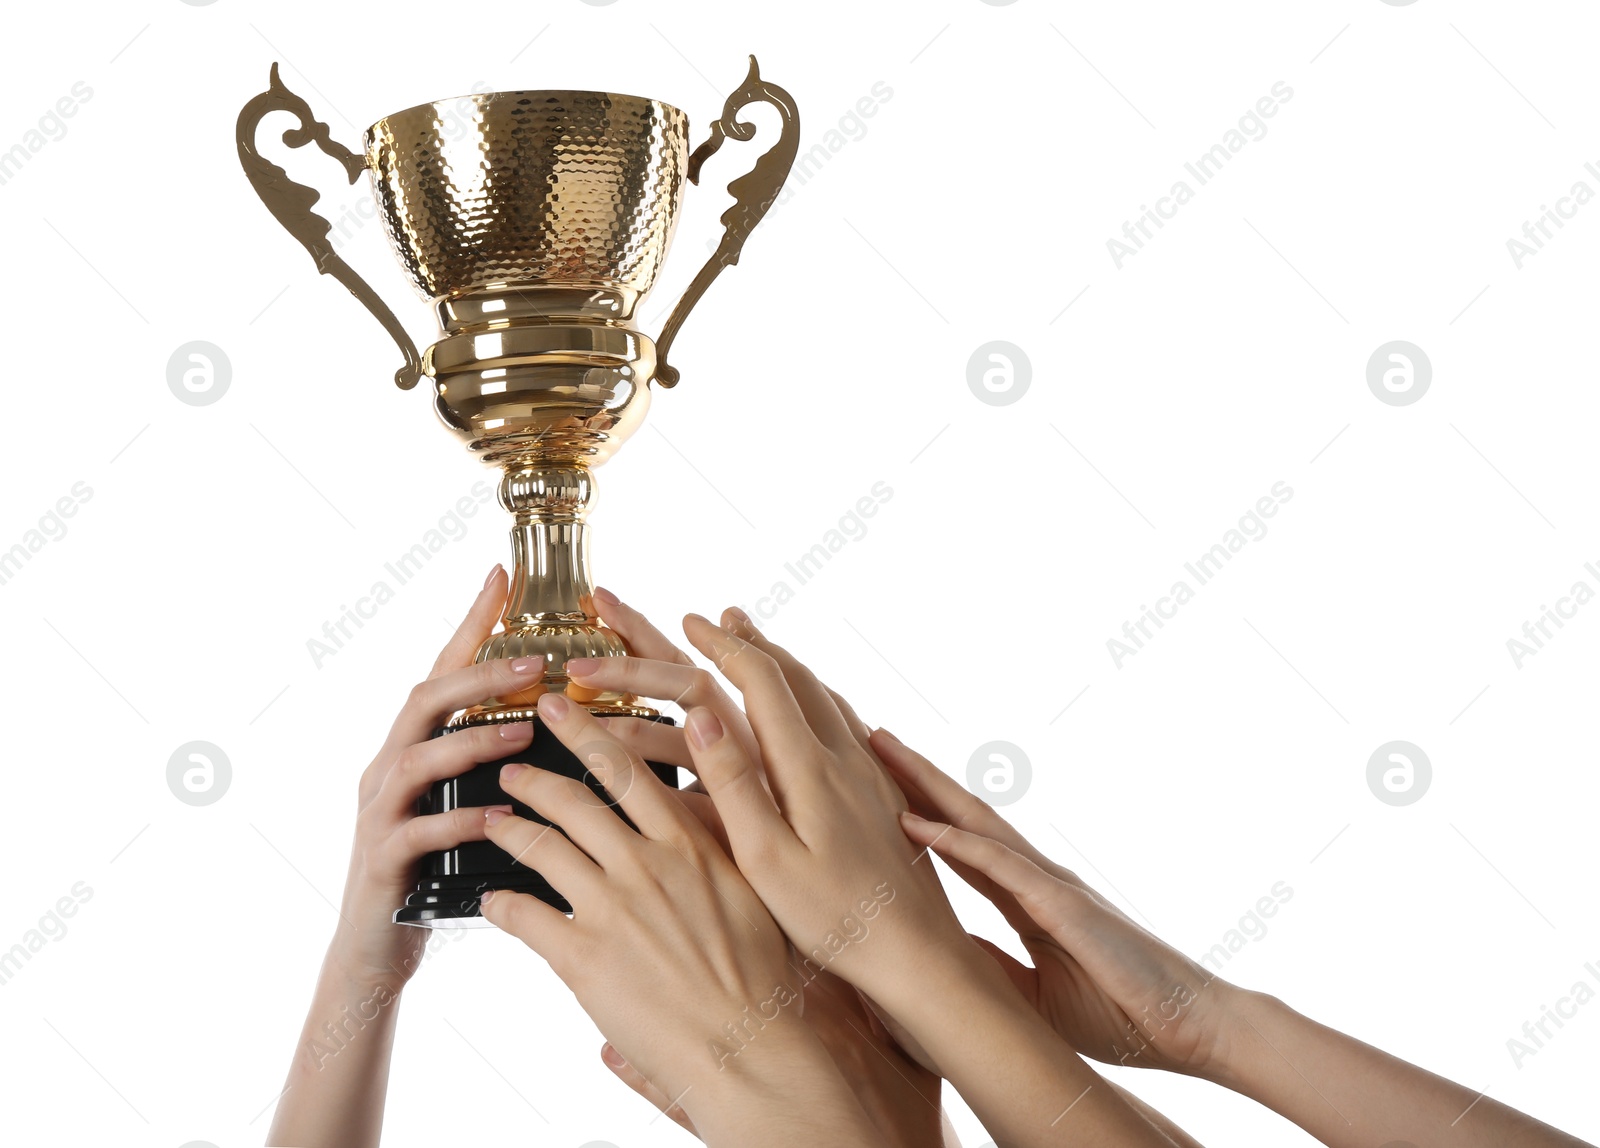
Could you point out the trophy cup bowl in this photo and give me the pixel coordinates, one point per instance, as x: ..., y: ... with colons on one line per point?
x: 535, y: 222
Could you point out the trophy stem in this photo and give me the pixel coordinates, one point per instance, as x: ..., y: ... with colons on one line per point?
x: 549, y: 609
x: 549, y: 547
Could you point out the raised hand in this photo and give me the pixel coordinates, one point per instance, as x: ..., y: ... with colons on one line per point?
x: 814, y: 824
x: 668, y: 949
x: 334, y: 1094
x: 1111, y: 989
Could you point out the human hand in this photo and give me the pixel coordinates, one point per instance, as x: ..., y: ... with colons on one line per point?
x: 668, y: 950
x: 1111, y: 989
x: 812, y: 820
x: 390, y: 839
x: 899, y: 1095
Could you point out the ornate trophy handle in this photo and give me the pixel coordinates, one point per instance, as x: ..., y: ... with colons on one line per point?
x: 291, y: 202
x: 754, y: 192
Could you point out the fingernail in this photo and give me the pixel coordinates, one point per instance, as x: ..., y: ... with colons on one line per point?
x: 606, y: 597
x: 527, y: 665
x: 553, y: 706
x: 907, y: 815
x: 495, y: 814
x: 704, y: 729
x: 517, y: 730
x: 509, y: 771
x: 890, y: 736
x: 582, y: 667
x: 486, y: 897
x: 739, y: 614
x: 489, y: 581
x: 611, y: 1056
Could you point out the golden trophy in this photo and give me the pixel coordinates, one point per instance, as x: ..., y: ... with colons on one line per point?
x: 535, y: 231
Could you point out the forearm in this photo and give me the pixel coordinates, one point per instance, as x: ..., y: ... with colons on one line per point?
x: 1157, y: 1119
x: 781, y: 1090
x: 334, y: 1093
x: 1350, y: 1095
x: 1022, y: 1081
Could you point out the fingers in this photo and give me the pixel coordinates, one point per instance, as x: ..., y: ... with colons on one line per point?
x: 684, y: 684
x: 642, y: 796
x: 476, y: 626
x: 587, y: 820
x: 787, y: 745
x: 637, y: 1081
x: 947, y: 799
x: 815, y: 699
x: 438, y: 831
x: 641, y: 637
x: 425, y: 762
x: 543, y: 847
x: 543, y: 928
x: 755, y: 828
x: 859, y: 729
x: 1052, y: 904
x: 434, y: 700
x: 652, y: 740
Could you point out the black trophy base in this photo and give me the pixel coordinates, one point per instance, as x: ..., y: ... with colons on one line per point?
x: 452, y: 881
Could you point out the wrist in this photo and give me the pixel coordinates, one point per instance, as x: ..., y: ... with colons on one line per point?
x: 1244, y: 1039
x: 349, y: 971
x: 780, y: 1074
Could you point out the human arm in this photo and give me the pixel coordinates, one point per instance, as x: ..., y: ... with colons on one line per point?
x: 1118, y: 993
x: 334, y: 1092
x: 813, y: 824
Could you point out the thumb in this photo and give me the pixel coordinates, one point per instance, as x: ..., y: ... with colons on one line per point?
x: 636, y: 1080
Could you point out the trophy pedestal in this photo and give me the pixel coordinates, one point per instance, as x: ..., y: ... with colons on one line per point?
x: 451, y: 881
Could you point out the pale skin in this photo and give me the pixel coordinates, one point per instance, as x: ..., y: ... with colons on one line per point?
x: 334, y: 1093
x: 660, y: 670
x: 668, y: 949
x: 899, y: 1095
x: 1097, y: 975
x: 812, y: 820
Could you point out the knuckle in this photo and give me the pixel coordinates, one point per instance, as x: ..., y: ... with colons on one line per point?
x: 417, y: 699
x: 761, y: 855
x: 406, y: 763
x: 410, y: 836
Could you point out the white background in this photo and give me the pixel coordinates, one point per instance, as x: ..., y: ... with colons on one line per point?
x: 1230, y: 354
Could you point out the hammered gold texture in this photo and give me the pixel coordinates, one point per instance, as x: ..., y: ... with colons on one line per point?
x: 578, y: 188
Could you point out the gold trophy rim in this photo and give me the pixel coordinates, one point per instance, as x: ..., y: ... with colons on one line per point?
x: 484, y: 99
